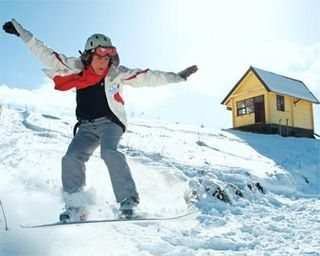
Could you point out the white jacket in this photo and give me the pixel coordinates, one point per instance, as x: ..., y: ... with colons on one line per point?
x: 117, y: 77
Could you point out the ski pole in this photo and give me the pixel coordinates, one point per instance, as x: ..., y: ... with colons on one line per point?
x: 4, y: 216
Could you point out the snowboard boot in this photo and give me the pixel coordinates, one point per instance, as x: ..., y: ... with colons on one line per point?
x: 128, y: 207
x: 73, y: 214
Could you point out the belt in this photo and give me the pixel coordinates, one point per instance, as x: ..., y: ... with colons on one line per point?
x: 92, y: 120
x: 83, y: 121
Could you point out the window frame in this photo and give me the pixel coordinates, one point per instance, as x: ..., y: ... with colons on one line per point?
x: 248, y: 105
x: 245, y: 106
x: 280, y: 103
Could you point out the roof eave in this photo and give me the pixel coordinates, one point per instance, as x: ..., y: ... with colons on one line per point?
x: 260, y: 79
x: 226, y: 99
x: 224, y: 102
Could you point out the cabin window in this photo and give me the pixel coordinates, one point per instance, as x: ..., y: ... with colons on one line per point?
x: 245, y: 107
x: 280, y: 103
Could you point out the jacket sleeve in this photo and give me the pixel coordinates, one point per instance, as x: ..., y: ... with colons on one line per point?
x: 147, y: 77
x: 46, y: 55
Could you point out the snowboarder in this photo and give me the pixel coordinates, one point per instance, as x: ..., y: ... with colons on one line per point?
x: 98, y: 79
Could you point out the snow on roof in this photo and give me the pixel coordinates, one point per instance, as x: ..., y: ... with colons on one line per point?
x: 285, y: 85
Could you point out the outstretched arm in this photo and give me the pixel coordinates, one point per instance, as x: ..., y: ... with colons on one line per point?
x: 145, y: 78
x: 45, y: 54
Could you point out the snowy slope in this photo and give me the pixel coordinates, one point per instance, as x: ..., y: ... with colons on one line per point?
x: 256, y: 194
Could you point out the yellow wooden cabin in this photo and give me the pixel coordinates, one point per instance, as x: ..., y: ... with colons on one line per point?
x: 266, y: 102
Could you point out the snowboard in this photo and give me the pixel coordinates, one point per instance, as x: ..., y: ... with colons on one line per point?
x: 135, y: 219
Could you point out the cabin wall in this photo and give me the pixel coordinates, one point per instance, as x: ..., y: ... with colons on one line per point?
x: 297, y: 113
x: 280, y: 117
x: 303, y: 114
x: 250, y: 87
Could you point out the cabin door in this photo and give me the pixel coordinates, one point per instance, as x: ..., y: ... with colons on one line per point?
x: 259, y: 109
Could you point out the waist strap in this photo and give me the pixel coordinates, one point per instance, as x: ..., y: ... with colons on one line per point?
x: 83, y: 121
x: 92, y: 120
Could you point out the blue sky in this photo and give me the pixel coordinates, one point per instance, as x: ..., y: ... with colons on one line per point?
x: 222, y: 37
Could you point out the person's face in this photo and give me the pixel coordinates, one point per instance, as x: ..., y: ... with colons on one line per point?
x: 99, y: 63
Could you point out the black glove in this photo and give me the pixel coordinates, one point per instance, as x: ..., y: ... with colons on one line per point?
x: 9, y: 28
x: 188, y: 71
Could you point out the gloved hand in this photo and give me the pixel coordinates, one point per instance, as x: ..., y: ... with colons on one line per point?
x: 9, y: 28
x: 13, y: 27
x: 188, y: 71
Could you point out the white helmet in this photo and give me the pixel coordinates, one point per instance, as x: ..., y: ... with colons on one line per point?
x: 97, y: 40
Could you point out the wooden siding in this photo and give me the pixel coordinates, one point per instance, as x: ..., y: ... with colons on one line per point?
x: 280, y: 117
x: 303, y: 116
x: 298, y: 113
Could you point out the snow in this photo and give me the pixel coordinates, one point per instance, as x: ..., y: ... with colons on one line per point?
x: 256, y: 194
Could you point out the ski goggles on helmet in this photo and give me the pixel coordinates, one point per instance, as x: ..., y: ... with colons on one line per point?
x: 103, y: 51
